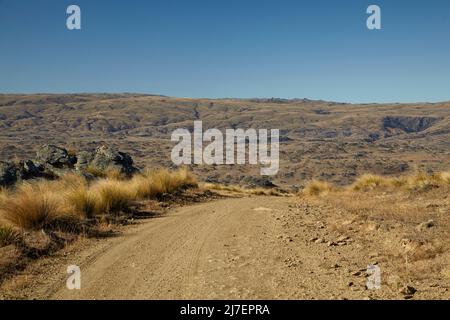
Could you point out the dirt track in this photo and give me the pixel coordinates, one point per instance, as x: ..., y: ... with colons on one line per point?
x: 244, y: 248
x: 221, y: 249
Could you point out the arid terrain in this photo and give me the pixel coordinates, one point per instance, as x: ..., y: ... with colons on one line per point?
x: 331, y: 141
x: 259, y: 247
x: 224, y: 233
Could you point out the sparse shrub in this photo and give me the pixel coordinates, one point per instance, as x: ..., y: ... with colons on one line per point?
x: 318, y: 188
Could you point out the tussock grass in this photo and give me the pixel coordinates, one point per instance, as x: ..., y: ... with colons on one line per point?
x: 31, y: 206
x: 318, y: 188
x: 109, y: 173
x: 3, y: 195
x: 422, y: 181
x: 7, y: 235
x: 153, y: 183
x: 113, y: 196
x: 445, y: 176
x: 369, y: 182
x: 37, y: 205
x: 418, y: 182
x: 82, y: 202
x: 78, y: 199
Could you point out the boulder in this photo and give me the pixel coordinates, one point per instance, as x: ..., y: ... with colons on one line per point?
x: 105, y: 157
x: 8, y: 173
x: 54, y: 156
x: 28, y: 169
x: 84, y: 158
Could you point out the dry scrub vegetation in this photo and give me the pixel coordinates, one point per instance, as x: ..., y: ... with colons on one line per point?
x: 403, y: 222
x: 73, y: 199
x: 40, y: 217
x: 368, y: 182
x: 247, y: 191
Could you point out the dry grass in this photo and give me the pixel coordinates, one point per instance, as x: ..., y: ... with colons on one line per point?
x: 422, y: 181
x: 7, y: 235
x: 31, y: 206
x: 4, y: 193
x: 318, y: 188
x: 445, y: 176
x: 239, y: 189
x: 78, y: 199
x: 82, y: 202
x: 153, y: 183
x: 110, y: 173
x: 113, y: 196
x: 369, y: 182
x: 35, y: 205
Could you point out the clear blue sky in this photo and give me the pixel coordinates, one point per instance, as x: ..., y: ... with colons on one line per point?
x: 318, y: 49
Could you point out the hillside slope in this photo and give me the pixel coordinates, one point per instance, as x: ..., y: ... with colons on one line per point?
x: 326, y: 140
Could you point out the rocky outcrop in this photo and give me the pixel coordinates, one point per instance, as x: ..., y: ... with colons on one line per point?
x: 53, y: 161
x: 8, y: 174
x: 84, y: 158
x: 28, y: 169
x: 55, y: 156
x: 105, y: 157
x: 408, y: 124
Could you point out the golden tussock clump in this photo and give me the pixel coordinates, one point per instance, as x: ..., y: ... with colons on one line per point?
x: 368, y: 182
x: 109, y: 173
x: 31, y: 206
x: 112, y: 196
x: 153, y: 183
x: 318, y: 188
x: 7, y: 235
x: 3, y: 194
x: 35, y: 205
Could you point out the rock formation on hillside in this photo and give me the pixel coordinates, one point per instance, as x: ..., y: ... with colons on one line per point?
x: 409, y: 124
x: 52, y: 161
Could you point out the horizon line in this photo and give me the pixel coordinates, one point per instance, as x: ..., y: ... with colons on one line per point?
x: 222, y: 98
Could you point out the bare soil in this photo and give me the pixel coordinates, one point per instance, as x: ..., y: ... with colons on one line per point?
x: 246, y: 248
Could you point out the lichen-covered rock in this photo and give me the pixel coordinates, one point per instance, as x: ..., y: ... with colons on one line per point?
x: 84, y: 158
x: 106, y: 157
x: 55, y: 156
x: 8, y: 173
x: 28, y: 169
